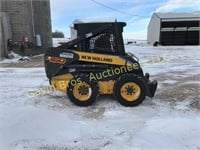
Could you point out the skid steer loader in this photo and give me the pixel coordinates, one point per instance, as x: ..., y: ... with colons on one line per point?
x: 95, y: 63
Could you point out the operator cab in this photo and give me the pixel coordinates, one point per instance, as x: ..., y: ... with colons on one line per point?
x: 100, y: 37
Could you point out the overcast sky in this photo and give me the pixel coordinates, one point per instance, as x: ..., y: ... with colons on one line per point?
x: 136, y: 13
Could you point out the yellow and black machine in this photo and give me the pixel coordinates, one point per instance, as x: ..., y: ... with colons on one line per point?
x: 95, y: 63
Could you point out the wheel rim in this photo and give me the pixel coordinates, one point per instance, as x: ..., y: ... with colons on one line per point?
x: 82, y: 91
x: 130, y: 91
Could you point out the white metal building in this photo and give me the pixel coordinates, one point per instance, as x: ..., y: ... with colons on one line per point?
x: 174, y: 29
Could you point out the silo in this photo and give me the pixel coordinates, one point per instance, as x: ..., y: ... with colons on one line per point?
x: 42, y: 22
x: 20, y: 18
x: 29, y: 18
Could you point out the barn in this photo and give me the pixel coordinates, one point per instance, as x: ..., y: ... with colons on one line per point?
x: 174, y: 29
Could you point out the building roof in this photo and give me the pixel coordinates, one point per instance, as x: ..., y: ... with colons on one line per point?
x: 179, y: 16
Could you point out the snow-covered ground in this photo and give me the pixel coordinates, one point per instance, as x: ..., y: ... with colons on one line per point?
x: 171, y: 120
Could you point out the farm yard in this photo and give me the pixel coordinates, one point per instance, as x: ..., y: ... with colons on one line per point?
x: 170, y: 120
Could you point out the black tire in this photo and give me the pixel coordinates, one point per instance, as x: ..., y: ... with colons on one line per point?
x: 129, y: 90
x: 84, y: 92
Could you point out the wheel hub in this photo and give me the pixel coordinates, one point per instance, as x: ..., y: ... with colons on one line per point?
x: 130, y: 91
x: 83, y: 90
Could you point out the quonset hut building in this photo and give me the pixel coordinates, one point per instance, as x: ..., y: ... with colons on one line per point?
x: 174, y: 29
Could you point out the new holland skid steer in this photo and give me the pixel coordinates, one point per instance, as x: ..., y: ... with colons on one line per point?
x: 95, y: 63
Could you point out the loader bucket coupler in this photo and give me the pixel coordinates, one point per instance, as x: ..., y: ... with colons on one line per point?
x: 152, y: 86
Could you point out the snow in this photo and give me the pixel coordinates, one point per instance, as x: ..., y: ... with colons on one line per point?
x: 163, y: 132
x: 56, y: 41
x: 51, y: 121
x: 168, y: 57
x: 18, y: 58
x: 12, y: 60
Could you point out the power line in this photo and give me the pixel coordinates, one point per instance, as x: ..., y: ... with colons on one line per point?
x: 114, y: 9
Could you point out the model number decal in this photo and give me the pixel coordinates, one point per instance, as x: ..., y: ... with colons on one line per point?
x: 57, y: 60
x: 67, y: 55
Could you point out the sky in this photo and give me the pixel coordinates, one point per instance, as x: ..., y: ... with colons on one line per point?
x: 136, y: 13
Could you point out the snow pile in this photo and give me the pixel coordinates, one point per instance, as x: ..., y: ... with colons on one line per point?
x: 14, y: 58
x: 56, y: 41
